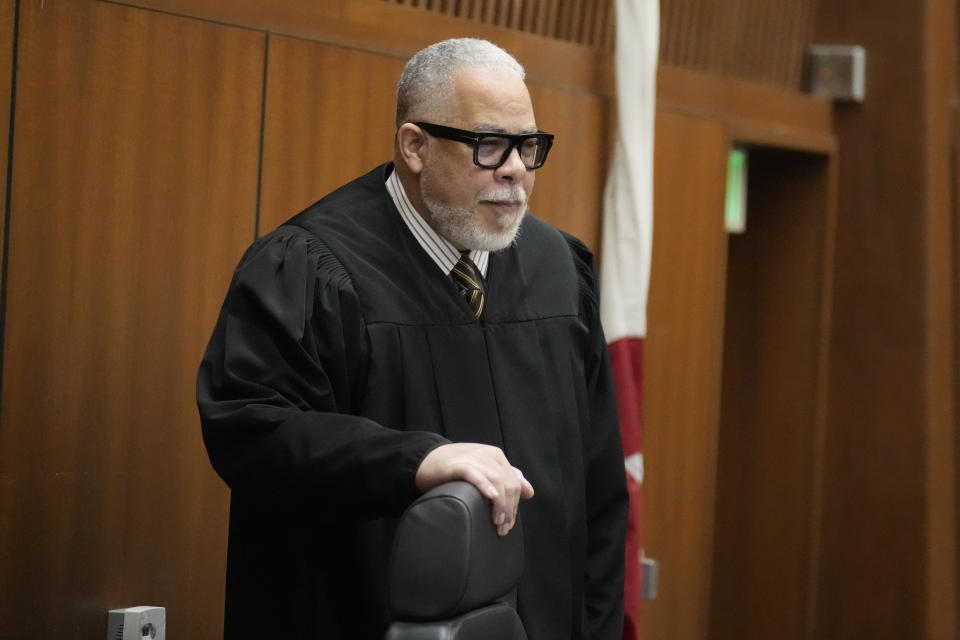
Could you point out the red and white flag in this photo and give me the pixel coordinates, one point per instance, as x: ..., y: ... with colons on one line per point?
x: 625, y: 262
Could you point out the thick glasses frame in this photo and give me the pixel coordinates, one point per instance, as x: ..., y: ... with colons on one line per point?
x: 473, y: 138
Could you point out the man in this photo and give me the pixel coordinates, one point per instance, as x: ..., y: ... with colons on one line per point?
x: 411, y: 328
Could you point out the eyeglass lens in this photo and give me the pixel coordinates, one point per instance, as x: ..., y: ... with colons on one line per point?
x: 492, y: 151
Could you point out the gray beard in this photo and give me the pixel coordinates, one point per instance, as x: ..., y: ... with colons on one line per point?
x: 459, y: 225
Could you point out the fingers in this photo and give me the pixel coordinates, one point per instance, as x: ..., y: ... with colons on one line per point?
x: 526, y: 491
x: 483, y: 466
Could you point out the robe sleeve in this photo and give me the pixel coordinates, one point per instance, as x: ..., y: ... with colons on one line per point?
x: 606, y: 489
x: 282, y: 379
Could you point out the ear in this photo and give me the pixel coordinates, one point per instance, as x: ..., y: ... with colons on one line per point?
x: 411, y: 143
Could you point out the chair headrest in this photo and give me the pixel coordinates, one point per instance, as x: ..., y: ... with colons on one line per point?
x: 447, y: 557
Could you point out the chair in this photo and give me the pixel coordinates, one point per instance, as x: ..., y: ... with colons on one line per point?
x: 451, y: 576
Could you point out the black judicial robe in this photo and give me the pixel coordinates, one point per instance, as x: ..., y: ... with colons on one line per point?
x: 343, y: 355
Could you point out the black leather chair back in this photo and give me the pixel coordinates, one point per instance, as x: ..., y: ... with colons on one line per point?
x: 451, y: 576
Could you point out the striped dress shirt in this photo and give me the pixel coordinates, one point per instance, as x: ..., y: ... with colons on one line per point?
x: 444, y: 254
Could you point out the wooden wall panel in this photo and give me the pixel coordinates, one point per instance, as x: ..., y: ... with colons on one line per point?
x: 887, y: 538
x: 330, y: 115
x: 585, y: 22
x: 941, y: 52
x: 753, y: 112
x: 7, y: 27
x: 133, y: 196
x: 759, y: 40
x: 775, y: 343
x: 569, y: 187
x: 682, y: 365
x: 399, y: 31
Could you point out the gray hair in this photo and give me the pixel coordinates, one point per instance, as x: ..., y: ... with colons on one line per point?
x: 427, y: 80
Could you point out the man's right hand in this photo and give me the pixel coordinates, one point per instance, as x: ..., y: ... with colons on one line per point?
x: 486, y: 468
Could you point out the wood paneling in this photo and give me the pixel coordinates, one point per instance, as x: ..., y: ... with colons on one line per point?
x: 589, y: 23
x: 682, y: 365
x: 569, y: 188
x: 394, y: 30
x: 329, y: 118
x: 775, y: 342
x: 753, y: 112
x: 940, y: 99
x: 887, y: 535
x: 7, y: 26
x: 759, y: 40
x: 133, y: 196
x: 135, y: 191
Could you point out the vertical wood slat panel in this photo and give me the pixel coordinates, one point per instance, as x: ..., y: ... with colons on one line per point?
x: 134, y: 193
x: 580, y: 12
x: 553, y: 16
x: 759, y: 40
x: 490, y: 10
x: 608, y: 42
x: 599, y: 24
x: 562, y: 28
x: 786, y: 20
x: 590, y: 11
x: 516, y: 15
x: 580, y: 21
x: 668, y: 11
x: 687, y: 30
x: 530, y: 15
x: 474, y: 13
x: 540, y: 23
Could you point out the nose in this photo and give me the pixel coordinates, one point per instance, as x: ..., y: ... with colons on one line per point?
x: 512, y: 168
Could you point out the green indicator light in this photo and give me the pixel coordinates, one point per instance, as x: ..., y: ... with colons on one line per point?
x: 735, y: 210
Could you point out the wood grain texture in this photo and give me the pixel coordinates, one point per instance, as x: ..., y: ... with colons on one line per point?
x: 760, y: 112
x: 762, y: 41
x: 877, y: 568
x: 771, y: 418
x: 134, y: 194
x: 569, y: 188
x: 682, y: 365
x: 7, y: 23
x: 754, y: 112
x: 583, y: 22
x: 397, y: 30
x: 329, y: 118
x: 943, y: 531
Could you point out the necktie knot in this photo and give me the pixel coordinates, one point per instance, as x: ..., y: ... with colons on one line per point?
x: 469, y: 282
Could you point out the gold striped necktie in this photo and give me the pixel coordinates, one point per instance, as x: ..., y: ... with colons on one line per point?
x: 469, y: 282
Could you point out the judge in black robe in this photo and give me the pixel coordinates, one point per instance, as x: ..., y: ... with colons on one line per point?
x: 343, y: 356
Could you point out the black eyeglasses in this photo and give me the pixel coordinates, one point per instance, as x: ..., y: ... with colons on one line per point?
x: 491, y: 150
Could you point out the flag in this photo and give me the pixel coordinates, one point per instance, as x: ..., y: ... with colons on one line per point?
x: 625, y: 260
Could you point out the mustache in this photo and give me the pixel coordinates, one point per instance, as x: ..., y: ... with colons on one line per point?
x: 514, y: 193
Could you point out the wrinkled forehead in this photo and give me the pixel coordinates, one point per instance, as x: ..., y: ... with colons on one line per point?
x: 491, y: 101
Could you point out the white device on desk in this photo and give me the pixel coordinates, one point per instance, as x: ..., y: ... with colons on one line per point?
x: 137, y: 623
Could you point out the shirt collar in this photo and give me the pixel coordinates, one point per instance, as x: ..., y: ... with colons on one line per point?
x: 444, y: 254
